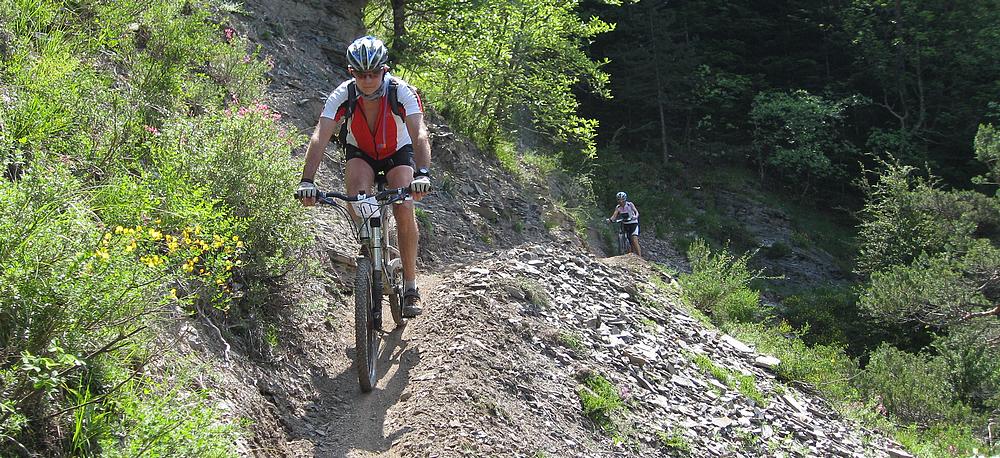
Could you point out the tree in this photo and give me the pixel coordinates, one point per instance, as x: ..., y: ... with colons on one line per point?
x: 932, y: 254
x: 930, y: 66
x: 796, y: 135
x: 503, y: 70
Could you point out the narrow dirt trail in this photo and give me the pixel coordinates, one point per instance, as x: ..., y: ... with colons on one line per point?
x: 344, y: 421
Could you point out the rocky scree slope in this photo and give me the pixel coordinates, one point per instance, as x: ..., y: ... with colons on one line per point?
x: 510, y: 337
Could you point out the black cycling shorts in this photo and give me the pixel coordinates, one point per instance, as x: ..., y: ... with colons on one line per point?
x: 403, y: 156
x: 631, y: 229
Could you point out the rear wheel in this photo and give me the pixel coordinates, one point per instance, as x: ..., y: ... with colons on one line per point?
x: 396, y: 294
x: 394, y: 271
x: 367, y: 288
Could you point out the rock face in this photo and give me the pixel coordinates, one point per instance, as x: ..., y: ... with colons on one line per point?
x: 516, y: 315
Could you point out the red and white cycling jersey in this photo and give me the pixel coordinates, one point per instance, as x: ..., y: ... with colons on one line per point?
x: 390, y: 129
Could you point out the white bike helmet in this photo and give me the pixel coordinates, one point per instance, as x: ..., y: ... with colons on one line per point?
x: 367, y: 54
x: 621, y: 196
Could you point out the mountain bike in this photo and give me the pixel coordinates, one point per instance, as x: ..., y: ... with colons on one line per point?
x: 624, y: 243
x: 379, y: 270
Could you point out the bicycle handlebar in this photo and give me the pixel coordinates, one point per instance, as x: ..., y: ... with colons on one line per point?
x: 388, y: 196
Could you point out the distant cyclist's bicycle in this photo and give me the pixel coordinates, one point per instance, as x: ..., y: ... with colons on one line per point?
x: 624, y: 242
x: 379, y: 272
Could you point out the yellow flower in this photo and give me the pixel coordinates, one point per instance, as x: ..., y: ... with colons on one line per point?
x: 173, y: 293
x: 236, y: 238
x: 107, y: 237
x: 102, y: 254
x: 119, y: 229
x: 155, y: 234
x: 131, y: 247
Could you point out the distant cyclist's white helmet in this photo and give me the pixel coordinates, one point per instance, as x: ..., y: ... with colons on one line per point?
x: 367, y: 54
x: 621, y: 196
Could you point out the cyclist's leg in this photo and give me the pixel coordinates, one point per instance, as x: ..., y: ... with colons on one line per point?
x: 406, y: 228
x: 359, y: 176
x: 400, y: 175
x: 634, y: 237
x: 406, y: 224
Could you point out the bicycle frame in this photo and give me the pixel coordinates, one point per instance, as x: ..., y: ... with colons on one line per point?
x: 624, y: 240
x: 363, y: 233
x: 373, y: 272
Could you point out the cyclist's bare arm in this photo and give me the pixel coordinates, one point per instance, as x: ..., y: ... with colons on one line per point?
x: 421, y: 144
x: 421, y: 140
x: 613, y: 215
x: 317, y: 146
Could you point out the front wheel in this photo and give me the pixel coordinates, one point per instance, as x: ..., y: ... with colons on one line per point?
x: 366, y: 288
x: 623, y: 244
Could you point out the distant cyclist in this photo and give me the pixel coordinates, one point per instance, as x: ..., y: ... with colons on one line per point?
x: 379, y: 120
x: 630, y: 216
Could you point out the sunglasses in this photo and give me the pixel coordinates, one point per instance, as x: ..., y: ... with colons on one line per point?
x: 366, y: 75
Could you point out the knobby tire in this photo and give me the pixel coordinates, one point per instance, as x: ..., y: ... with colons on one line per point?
x: 395, y: 276
x: 623, y: 244
x: 367, y: 298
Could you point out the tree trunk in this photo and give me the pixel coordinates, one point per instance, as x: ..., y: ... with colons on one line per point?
x: 659, y: 87
x: 398, y: 27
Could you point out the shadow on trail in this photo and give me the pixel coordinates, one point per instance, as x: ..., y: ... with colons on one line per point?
x: 345, y: 419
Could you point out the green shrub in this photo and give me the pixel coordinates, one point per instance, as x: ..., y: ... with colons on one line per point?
x: 600, y: 401
x: 973, y: 368
x: 571, y: 341
x: 674, y: 441
x: 830, y: 313
x: 942, y: 441
x: 234, y: 160
x: 797, y: 135
x: 914, y: 388
x: 162, y: 420
x: 827, y: 367
x: 424, y: 219
x: 720, y: 284
x: 135, y: 192
x: 745, y: 384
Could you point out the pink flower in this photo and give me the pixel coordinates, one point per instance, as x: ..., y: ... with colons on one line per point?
x: 230, y: 33
x: 152, y: 130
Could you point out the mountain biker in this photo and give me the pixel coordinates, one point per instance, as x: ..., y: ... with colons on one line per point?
x: 630, y: 214
x: 377, y: 137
